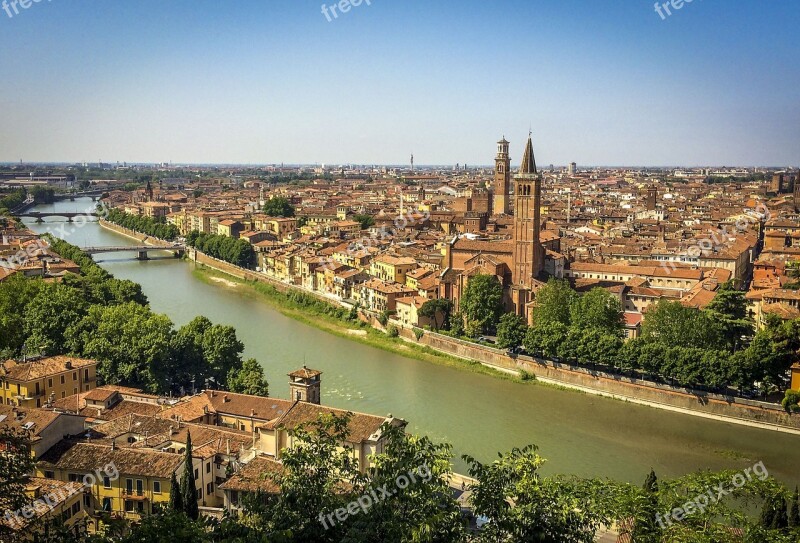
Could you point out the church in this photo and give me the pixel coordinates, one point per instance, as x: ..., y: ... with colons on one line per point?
x: 523, y: 263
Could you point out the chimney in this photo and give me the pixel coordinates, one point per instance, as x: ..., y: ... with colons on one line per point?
x: 229, y: 446
x: 225, y: 399
x: 114, y: 445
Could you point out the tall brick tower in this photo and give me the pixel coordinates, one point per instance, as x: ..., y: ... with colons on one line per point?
x: 528, y: 251
x: 502, y: 178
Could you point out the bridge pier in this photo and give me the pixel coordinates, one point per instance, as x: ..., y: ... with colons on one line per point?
x: 142, y: 256
x: 39, y: 220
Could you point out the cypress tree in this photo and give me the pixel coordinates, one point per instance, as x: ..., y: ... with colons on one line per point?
x: 188, y: 484
x: 175, y: 496
x: 781, y: 519
x: 646, y: 529
x: 767, y: 513
x: 794, y: 512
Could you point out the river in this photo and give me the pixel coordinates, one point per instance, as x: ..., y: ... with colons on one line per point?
x: 478, y: 414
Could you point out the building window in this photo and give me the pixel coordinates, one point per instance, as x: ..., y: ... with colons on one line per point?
x: 106, y: 482
x: 157, y: 487
x: 73, y: 477
x: 208, y: 467
x: 85, y: 375
x: 50, y: 383
x: 62, y: 380
x: 209, y: 488
x: 49, y: 475
x: 129, y: 507
x: 74, y: 375
x: 106, y: 504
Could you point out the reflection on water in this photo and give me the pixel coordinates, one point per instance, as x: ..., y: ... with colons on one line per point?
x: 478, y: 414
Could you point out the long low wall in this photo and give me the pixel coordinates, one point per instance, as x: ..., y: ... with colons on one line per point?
x: 142, y: 238
x: 733, y: 410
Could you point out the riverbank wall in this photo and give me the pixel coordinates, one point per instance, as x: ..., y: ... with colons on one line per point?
x: 713, y: 406
x: 722, y: 408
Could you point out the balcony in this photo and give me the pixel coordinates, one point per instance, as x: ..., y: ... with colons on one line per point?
x: 137, y: 495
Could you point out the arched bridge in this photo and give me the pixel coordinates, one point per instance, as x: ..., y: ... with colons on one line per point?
x: 177, y: 249
x: 40, y: 215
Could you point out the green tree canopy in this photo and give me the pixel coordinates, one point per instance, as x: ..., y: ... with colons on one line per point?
x: 279, y: 207
x: 553, y: 302
x: 511, y: 331
x: 249, y: 379
x: 482, y: 302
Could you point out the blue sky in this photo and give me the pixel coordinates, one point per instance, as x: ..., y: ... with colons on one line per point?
x: 601, y: 82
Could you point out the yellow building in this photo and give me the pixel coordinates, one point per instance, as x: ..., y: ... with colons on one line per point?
x: 796, y: 377
x: 34, y: 383
x: 118, y: 482
x: 51, y: 502
x: 392, y: 268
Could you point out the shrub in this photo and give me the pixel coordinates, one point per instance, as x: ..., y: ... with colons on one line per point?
x: 418, y: 333
x: 392, y: 331
x: 791, y: 403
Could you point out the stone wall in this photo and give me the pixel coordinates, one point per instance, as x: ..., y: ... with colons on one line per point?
x: 735, y: 409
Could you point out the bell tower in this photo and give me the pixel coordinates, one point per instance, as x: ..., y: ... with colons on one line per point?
x: 528, y: 251
x: 304, y: 385
x: 502, y: 178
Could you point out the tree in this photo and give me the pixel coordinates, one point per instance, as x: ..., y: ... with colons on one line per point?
x: 553, y: 302
x: 279, y: 206
x: 672, y: 323
x: 482, y: 302
x: 249, y: 379
x: 364, y: 220
x: 729, y: 308
x: 432, y: 309
x: 545, y: 338
x: 521, y: 505
x: 794, y: 510
x: 319, y: 476
x: 169, y: 527
x: 425, y: 509
x: 48, y: 316
x: 175, y: 495
x: 131, y: 344
x: 188, y: 483
x: 511, y: 331
x: 646, y: 529
x: 16, y: 464
x: 598, y: 310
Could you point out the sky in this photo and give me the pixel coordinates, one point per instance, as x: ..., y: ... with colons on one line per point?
x: 599, y: 82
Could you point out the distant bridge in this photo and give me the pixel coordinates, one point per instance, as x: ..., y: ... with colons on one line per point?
x: 177, y: 249
x: 93, y: 194
x: 40, y: 215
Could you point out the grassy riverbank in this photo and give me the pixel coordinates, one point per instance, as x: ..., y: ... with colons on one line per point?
x: 333, y: 320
